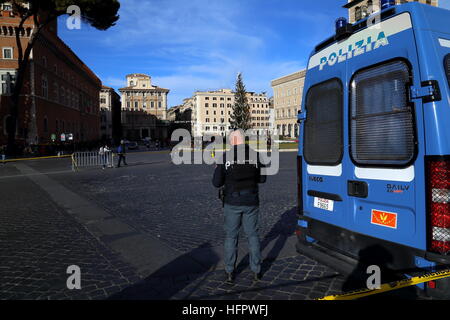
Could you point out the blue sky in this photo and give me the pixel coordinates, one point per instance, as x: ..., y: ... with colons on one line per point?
x: 189, y: 45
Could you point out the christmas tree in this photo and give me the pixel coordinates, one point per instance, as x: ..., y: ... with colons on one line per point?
x: 240, y: 119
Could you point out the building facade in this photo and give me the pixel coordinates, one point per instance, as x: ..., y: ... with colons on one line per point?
x: 359, y: 9
x: 141, y: 95
x: 212, y: 110
x: 60, y: 93
x: 110, y: 108
x: 287, y: 101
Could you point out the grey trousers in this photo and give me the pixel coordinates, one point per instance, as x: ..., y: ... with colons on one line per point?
x: 248, y: 217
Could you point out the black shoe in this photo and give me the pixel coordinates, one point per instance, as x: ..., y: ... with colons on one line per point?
x: 229, y: 277
x: 257, y: 276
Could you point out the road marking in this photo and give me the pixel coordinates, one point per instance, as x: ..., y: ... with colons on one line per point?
x: 390, y: 286
x: 37, y: 158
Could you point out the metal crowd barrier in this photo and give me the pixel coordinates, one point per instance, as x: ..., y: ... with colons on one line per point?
x: 92, y: 159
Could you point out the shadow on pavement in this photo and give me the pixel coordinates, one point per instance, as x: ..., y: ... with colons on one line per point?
x: 378, y: 256
x: 172, y: 278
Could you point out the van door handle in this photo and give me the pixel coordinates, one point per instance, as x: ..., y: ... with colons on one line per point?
x: 358, y: 189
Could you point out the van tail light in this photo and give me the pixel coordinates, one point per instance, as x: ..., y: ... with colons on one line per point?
x: 438, y: 194
x: 300, y: 185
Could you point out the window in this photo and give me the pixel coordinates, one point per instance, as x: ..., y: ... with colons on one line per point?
x: 323, y: 143
x: 45, y: 125
x: 44, y: 87
x: 55, y: 92
x: 382, y: 125
x: 447, y: 67
x: 62, y: 96
x: 7, y: 80
x: 358, y: 13
x: 7, y: 53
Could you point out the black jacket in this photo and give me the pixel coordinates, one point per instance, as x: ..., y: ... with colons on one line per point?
x: 240, y: 179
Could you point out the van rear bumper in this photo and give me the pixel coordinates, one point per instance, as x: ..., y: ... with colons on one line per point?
x: 351, y: 253
x: 344, y: 250
x: 352, y: 244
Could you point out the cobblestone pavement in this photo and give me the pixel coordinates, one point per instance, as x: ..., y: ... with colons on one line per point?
x: 178, y: 204
x: 291, y: 278
x: 38, y: 241
x: 174, y: 205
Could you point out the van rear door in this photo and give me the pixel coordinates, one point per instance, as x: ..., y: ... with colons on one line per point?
x: 385, y: 186
x: 376, y: 185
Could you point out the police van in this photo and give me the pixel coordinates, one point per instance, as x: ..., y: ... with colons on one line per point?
x: 374, y: 163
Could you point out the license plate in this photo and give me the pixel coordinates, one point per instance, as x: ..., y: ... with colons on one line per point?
x: 323, y: 204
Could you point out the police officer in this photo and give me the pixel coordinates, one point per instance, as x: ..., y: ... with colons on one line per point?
x: 239, y: 179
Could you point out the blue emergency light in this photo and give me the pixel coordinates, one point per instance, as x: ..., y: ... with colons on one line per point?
x: 340, y: 23
x: 387, y: 3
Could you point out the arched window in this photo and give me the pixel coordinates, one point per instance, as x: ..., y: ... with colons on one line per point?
x: 44, y: 86
x: 358, y: 13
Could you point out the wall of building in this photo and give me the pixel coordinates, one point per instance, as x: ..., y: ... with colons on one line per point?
x: 287, y: 100
x: 141, y: 95
x: 60, y: 93
x: 213, y: 110
x: 360, y: 9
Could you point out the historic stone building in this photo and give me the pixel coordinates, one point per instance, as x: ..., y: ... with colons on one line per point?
x: 144, y: 109
x: 287, y: 100
x: 60, y: 93
x: 110, y: 108
x: 141, y: 95
x: 212, y: 110
x: 359, y: 9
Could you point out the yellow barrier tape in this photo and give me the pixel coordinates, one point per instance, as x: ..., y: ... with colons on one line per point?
x: 38, y: 158
x: 390, y: 286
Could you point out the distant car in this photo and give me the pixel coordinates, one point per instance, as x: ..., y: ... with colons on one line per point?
x: 132, y: 146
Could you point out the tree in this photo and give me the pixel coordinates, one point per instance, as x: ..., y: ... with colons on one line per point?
x: 101, y: 14
x: 241, y: 118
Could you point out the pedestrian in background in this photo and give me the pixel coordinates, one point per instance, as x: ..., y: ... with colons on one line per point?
x: 104, y: 153
x: 239, y: 179
x: 121, y: 151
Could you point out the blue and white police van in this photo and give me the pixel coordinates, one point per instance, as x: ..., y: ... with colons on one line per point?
x: 374, y: 163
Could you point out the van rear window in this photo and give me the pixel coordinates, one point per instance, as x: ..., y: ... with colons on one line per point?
x: 323, y: 141
x: 382, y: 120
x: 447, y: 67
